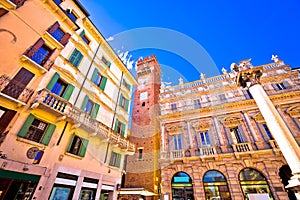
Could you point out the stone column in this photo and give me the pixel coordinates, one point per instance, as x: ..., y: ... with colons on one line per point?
x: 290, y: 149
x: 260, y: 144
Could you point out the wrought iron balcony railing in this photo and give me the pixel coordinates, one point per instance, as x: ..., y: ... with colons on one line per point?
x: 14, y: 89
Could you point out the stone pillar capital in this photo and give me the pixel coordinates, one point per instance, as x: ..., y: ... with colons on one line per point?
x: 249, y: 77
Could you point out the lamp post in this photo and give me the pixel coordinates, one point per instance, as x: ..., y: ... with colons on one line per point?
x: 248, y: 77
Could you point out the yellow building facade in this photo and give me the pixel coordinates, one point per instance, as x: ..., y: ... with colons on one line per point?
x: 215, y: 142
x: 64, y: 104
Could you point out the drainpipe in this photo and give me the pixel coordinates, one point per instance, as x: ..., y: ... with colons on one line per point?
x: 115, y: 111
x: 80, y: 89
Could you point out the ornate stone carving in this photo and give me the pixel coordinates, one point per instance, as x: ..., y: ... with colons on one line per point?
x: 259, y: 118
x: 231, y: 121
x: 174, y: 128
x: 294, y: 111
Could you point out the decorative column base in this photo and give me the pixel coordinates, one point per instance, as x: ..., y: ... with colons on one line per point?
x: 294, y: 185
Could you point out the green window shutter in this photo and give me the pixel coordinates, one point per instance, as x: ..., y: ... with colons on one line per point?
x: 126, y: 104
x: 116, y: 125
x: 68, y: 92
x: 71, y: 141
x: 95, y: 110
x: 108, y: 64
x: 120, y: 100
x: 26, y: 125
x: 118, y: 163
x: 82, y: 33
x: 48, y: 134
x: 94, y: 76
x: 86, y: 98
x: 73, y: 56
x: 52, y: 82
x: 123, y: 129
x: 78, y: 59
x: 83, y: 147
x: 103, y: 83
x: 128, y: 87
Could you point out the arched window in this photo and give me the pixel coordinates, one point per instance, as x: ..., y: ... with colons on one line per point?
x: 215, y: 186
x: 254, y: 183
x: 182, y: 187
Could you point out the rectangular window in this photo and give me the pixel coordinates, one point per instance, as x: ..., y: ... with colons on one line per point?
x: 236, y: 135
x: 177, y: 142
x: 6, y: 116
x: 84, y: 38
x: 120, y: 127
x: 197, y: 104
x: 222, y: 97
x: 58, y: 33
x: 205, y: 139
x: 140, y: 153
x: 58, y: 1
x: 123, y: 102
x: 173, y: 106
x: 89, y: 107
x: 41, y: 55
x: 36, y: 130
x: 97, y: 78
x: 268, y: 132
x: 75, y: 58
x: 59, y: 87
x: 248, y: 95
x: 281, y: 86
x: 78, y: 146
x: 105, y: 61
x: 72, y: 15
x: 128, y: 86
x: 115, y: 159
x: 17, y: 85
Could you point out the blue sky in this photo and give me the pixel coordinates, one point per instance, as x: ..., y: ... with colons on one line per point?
x: 200, y: 36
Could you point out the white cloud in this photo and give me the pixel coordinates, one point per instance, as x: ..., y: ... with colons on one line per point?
x: 126, y: 59
x: 110, y: 39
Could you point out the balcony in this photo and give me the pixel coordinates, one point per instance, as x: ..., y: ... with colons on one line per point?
x: 99, y: 129
x: 242, y: 147
x: 207, y: 151
x: 177, y: 154
x: 54, y: 103
x: 13, y: 90
x: 39, y: 59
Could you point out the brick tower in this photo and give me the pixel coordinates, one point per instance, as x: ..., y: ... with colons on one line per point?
x: 142, y: 169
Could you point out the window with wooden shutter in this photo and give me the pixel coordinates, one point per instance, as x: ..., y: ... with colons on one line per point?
x: 75, y: 58
x: 36, y: 130
x: 59, y: 34
x: 6, y: 116
x: 103, y: 83
x: 115, y: 159
x: 78, y: 146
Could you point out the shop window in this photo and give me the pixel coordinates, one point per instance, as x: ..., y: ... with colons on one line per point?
x: 37, y: 130
x: 253, y: 182
x: 78, y: 146
x: 215, y: 186
x: 182, y: 187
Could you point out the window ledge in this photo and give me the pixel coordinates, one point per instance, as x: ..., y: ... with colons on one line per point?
x: 8, y: 5
x: 53, y: 43
x: 20, y: 139
x: 73, y: 155
x: 24, y: 58
x: 20, y: 103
